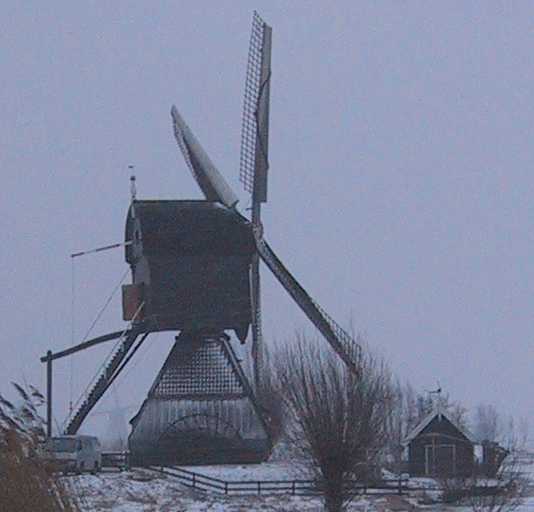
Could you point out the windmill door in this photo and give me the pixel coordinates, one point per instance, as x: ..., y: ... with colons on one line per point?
x: 440, y: 459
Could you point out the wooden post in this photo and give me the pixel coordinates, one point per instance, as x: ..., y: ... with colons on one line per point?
x: 49, y: 394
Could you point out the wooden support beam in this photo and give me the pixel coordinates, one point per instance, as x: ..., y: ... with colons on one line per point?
x: 85, y: 344
x: 49, y: 393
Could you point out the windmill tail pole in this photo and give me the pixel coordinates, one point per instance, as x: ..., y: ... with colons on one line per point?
x: 99, y: 249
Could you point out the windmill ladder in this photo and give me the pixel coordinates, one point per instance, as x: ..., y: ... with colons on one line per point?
x: 104, y: 381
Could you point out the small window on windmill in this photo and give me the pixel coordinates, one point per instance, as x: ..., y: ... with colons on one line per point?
x: 132, y: 298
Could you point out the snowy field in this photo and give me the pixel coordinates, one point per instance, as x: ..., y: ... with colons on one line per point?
x: 265, y: 471
x: 139, y: 491
x: 146, y: 491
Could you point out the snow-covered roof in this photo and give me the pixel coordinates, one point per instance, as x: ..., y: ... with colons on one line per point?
x: 427, y: 420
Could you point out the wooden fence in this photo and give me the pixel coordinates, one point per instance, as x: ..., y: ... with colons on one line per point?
x: 294, y: 487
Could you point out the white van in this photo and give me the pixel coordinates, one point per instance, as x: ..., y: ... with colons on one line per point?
x: 75, y: 453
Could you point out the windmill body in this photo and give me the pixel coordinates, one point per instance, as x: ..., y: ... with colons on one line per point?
x: 196, y: 271
x: 190, y: 264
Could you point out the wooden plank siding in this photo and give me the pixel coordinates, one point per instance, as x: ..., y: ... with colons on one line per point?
x: 440, y: 449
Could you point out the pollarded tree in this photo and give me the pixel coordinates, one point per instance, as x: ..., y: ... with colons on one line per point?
x: 337, y: 419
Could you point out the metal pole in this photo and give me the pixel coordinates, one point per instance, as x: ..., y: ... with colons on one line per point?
x: 49, y: 394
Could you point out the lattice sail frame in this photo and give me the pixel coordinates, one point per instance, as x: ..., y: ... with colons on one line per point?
x: 209, y: 179
x: 255, y: 127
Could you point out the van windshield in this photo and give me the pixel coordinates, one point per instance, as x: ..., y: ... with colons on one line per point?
x: 59, y: 444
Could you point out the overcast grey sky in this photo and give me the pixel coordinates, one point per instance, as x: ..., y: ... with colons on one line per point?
x: 401, y: 180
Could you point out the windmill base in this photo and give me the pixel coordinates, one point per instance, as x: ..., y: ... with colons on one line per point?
x: 200, y: 410
x: 198, y: 451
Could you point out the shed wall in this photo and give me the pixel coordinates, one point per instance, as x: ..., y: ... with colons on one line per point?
x: 430, y: 453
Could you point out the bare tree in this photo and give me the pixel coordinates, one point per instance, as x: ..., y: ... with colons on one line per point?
x: 425, y: 404
x: 487, y: 424
x: 403, y: 417
x: 498, y: 485
x: 270, y: 397
x: 410, y: 406
x: 397, y: 427
x: 523, y: 432
x: 458, y: 414
x: 337, y: 420
x: 503, y: 490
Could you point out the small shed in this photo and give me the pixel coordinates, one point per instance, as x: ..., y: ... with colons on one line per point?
x: 437, y: 446
x: 492, y: 457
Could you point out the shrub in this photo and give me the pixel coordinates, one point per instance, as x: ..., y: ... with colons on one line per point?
x: 27, y: 481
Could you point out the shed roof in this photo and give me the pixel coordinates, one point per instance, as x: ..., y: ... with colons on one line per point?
x: 428, y: 419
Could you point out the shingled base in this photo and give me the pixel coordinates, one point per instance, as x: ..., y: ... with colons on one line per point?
x: 200, y: 409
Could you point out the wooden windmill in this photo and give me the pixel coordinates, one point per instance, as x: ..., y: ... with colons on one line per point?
x: 196, y: 271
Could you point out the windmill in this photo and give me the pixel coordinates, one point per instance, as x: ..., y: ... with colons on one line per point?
x: 196, y: 271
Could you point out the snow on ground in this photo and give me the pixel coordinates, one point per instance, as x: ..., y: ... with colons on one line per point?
x: 147, y: 491
x: 526, y: 506
x: 265, y: 471
x: 140, y: 491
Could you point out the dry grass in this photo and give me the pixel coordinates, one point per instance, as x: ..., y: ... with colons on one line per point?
x: 27, y: 482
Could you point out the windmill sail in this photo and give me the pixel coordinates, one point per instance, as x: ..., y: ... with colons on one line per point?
x: 343, y: 344
x: 254, y: 162
x: 209, y: 179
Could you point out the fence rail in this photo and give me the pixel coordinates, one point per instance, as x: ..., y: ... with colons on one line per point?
x: 117, y: 459
x: 294, y: 487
